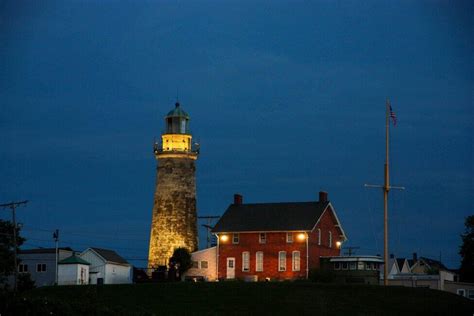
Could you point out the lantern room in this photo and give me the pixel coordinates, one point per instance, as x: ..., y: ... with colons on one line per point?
x: 177, y: 121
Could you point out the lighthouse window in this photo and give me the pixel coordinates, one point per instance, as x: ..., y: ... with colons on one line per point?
x: 183, y: 126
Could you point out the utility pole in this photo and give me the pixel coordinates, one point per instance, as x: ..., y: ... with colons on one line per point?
x: 13, y: 206
x: 56, y: 239
x: 208, y: 227
x: 386, y: 188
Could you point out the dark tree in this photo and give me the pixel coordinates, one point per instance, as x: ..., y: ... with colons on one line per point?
x: 467, y: 251
x: 7, y: 248
x: 180, y: 261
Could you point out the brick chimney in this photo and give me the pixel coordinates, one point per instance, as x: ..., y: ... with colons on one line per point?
x: 323, y: 196
x: 392, y: 256
x: 238, y: 199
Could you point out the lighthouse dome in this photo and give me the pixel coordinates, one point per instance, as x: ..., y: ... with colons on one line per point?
x: 177, y: 112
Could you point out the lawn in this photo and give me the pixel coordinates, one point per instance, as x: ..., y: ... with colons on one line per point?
x: 238, y: 298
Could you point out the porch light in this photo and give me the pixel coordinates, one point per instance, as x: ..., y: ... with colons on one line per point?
x: 338, y: 244
x: 301, y: 236
x: 224, y: 238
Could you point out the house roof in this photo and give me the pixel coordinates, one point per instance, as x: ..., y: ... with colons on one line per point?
x: 42, y: 250
x: 400, y: 263
x: 434, y: 263
x: 109, y: 255
x: 292, y: 216
x: 73, y: 260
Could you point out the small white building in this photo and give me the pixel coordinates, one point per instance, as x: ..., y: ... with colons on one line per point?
x: 73, y: 271
x: 107, y: 267
x: 204, y: 265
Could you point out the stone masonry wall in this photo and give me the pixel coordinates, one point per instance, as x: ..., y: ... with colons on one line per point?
x: 174, y: 222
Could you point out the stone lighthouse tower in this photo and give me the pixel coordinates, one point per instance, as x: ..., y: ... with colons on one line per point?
x: 174, y: 222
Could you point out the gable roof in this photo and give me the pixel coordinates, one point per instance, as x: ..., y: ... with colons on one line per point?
x: 109, y: 255
x: 435, y: 264
x: 74, y: 260
x: 400, y: 263
x: 290, y: 216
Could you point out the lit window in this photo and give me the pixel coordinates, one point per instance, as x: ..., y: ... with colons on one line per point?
x: 282, y: 261
x: 259, y: 261
x: 330, y: 240
x: 289, y: 237
x: 319, y: 237
x: 235, y: 238
x: 262, y: 238
x: 296, y: 261
x: 204, y: 264
x: 41, y: 267
x: 246, y: 261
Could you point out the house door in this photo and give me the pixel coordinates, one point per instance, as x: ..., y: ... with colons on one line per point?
x: 230, y: 268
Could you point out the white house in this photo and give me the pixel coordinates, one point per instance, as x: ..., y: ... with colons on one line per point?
x: 73, y: 271
x: 40, y: 263
x: 204, y: 264
x: 107, y: 267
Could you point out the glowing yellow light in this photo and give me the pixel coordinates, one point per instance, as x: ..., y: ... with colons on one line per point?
x: 176, y: 142
x: 301, y: 236
x: 224, y: 238
x: 338, y: 244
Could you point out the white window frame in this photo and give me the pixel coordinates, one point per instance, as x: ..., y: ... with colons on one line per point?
x: 39, y: 267
x: 330, y: 239
x: 319, y: 236
x: 296, y: 261
x: 346, y: 266
x: 470, y: 294
x: 352, y: 265
x: 282, y: 261
x: 22, y: 268
x: 235, y: 238
x: 337, y: 266
x: 259, y: 261
x: 289, y: 238
x: 463, y: 291
x: 245, y: 261
x: 262, y: 240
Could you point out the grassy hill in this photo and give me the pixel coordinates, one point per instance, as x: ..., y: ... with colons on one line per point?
x: 236, y: 298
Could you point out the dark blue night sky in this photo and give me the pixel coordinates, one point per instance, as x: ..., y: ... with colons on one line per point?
x: 286, y: 99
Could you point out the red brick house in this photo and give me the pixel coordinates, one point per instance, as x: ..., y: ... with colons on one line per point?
x: 276, y: 240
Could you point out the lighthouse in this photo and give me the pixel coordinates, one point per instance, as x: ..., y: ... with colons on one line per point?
x: 174, y: 221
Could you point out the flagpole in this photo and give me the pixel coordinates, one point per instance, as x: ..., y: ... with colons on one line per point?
x: 386, y: 188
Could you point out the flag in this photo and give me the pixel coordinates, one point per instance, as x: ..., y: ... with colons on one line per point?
x: 393, y: 117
